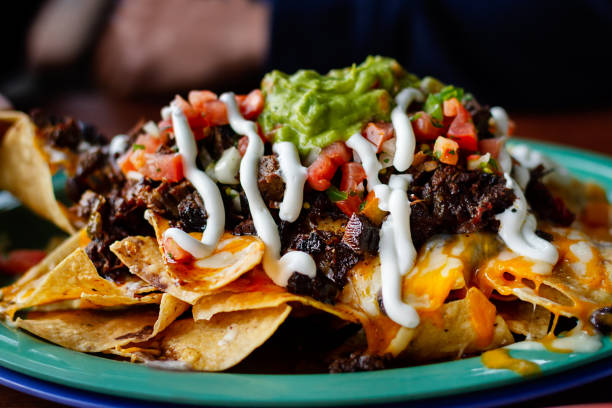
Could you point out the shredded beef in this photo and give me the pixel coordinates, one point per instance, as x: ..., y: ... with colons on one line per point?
x: 269, y: 180
x: 246, y: 227
x: 453, y: 200
x: 222, y: 138
x: 358, y: 362
x: 65, y: 132
x: 480, y: 117
x: 333, y: 259
x: 544, y: 203
x: 361, y: 235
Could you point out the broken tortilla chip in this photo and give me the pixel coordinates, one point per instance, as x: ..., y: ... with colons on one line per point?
x: 578, y: 284
x: 100, y: 330
x: 223, y: 341
x: 142, y: 256
x: 24, y: 171
x: 255, y: 290
x: 73, y: 278
x: 532, y: 321
x: 451, y: 332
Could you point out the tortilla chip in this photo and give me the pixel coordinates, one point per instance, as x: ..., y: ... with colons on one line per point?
x: 223, y: 341
x: 233, y: 256
x: 100, y: 330
x: 452, y: 333
x: 142, y: 256
x: 574, y: 288
x: 73, y: 278
x: 25, y: 172
x: 532, y: 321
x: 91, y: 331
x: 255, y: 290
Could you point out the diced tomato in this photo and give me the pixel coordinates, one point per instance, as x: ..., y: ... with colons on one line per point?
x: 446, y: 150
x: 168, y: 167
x: 324, y: 167
x: 451, y: 107
x: 462, y: 130
x: 353, y: 176
x: 194, y: 117
x: 492, y: 146
x: 175, y: 253
x: 424, y: 129
x: 20, y: 260
x: 243, y: 143
x: 378, y: 133
x: 251, y: 105
x: 198, y: 99
x: 151, y: 143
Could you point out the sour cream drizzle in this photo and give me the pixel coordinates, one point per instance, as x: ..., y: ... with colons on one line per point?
x: 206, y: 188
x: 277, y: 268
x: 367, y: 154
x: 397, y: 252
x: 517, y: 229
x: 294, y: 175
x: 404, y: 135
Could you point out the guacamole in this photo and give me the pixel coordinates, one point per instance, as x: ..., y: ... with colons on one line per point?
x: 313, y: 110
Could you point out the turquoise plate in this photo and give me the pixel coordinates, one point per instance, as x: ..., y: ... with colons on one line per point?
x: 32, y: 356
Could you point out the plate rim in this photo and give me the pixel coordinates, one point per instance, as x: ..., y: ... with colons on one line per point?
x: 330, y: 389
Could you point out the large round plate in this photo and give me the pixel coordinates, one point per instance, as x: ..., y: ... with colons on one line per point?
x: 29, y: 355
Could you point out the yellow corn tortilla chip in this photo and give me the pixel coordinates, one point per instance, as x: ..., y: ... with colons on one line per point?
x: 91, y: 331
x: 233, y: 256
x: 223, y: 341
x: 100, y: 330
x: 255, y: 290
x: 25, y: 172
x: 452, y: 336
x: 525, y: 318
x: 73, y: 278
x: 26, y: 282
x: 142, y: 256
x: 574, y: 288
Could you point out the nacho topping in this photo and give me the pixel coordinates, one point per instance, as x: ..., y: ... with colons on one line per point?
x: 387, y: 203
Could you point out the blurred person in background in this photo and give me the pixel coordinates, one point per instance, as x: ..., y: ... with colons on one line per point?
x: 519, y: 53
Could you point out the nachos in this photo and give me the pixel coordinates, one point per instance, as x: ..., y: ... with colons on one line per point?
x: 381, y: 210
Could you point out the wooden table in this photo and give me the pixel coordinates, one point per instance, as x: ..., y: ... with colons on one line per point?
x: 588, y: 130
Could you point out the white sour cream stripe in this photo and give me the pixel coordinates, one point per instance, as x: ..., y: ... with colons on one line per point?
x: 367, y: 154
x: 294, y: 175
x: 206, y: 188
x: 517, y: 229
x: 404, y: 135
x: 397, y: 252
x: 277, y: 268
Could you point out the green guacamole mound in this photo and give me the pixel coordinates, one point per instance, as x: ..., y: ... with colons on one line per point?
x: 313, y: 110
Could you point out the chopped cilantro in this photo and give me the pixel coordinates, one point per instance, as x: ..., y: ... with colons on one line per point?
x: 336, y: 195
x: 362, y: 206
x: 138, y: 147
x: 433, y: 104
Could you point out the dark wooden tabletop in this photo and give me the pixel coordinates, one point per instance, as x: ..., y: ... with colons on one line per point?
x: 588, y: 130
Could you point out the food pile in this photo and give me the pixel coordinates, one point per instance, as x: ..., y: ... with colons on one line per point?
x: 368, y: 217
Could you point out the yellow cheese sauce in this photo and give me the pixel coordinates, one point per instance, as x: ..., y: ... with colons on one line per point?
x: 501, y: 359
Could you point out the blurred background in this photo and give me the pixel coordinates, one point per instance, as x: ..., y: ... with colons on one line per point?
x: 110, y: 62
